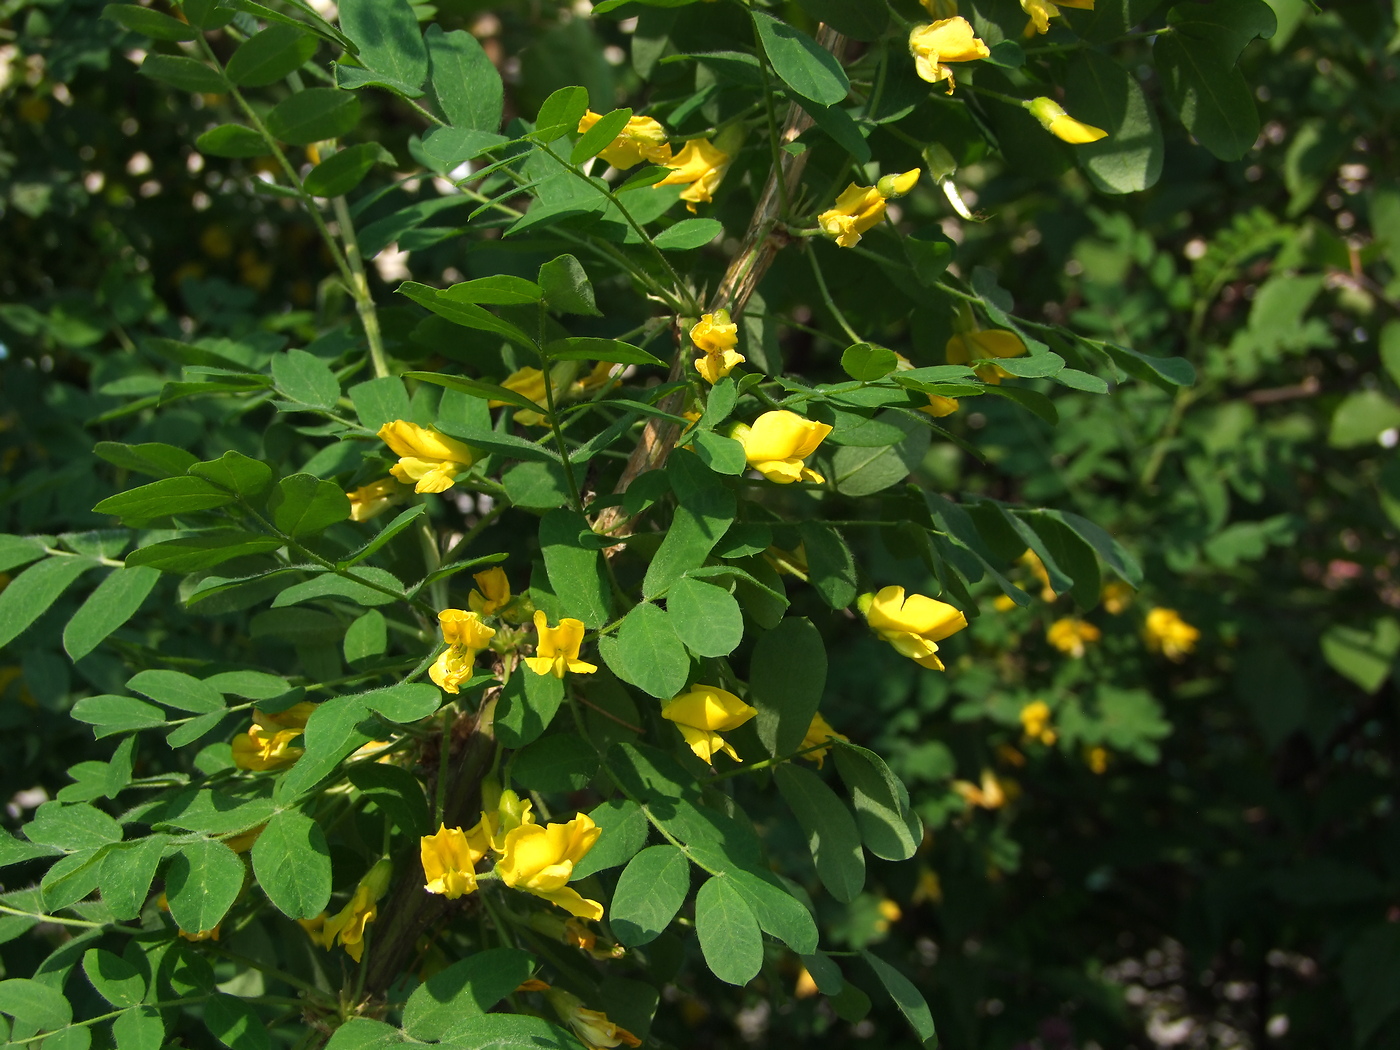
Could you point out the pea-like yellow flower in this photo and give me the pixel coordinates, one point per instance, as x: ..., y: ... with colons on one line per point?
x: 642, y: 139
x: 1116, y: 596
x: 492, y: 593
x: 990, y: 794
x: 1071, y: 635
x: 348, y: 925
x: 431, y: 461
x: 857, y: 210
x: 702, y: 714
x: 699, y: 167
x: 939, y: 406
x: 557, y: 649
x: 528, y: 382
x: 1031, y: 560
x: 940, y: 8
x: 1097, y: 760
x: 369, y: 501
x: 715, y: 336
x: 913, y: 625
x: 465, y: 636
x: 819, y: 732
x: 1060, y: 124
x: 1035, y: 720
x: 977, y: 344
x: 889, y: 912
x: 778, y: 442
x: 1167, y: 633
x: 540, y: 860
x: 938, y: 43
x: 591, y: 1026
x: 510, y: 811
x: 294, y: 717
x: 245, y: 840
x: 262, y: 749
x: 1041, y: 11
x: 449, y: 862
x: 597, y: 378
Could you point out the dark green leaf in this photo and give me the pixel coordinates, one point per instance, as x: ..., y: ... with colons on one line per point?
x: 116, y: 980
x: 800, y: 62
x: 232, y: 140
x: 625, y: 829
x: 578, y: 348
x: 242, y: 475
x: 889, y: 827
x: 188, y: 74
x: 115, y: 601
x: 458, y: 311
x: 831, y: 568
x: 302, y: 505
x: 729, y: 933
x: 396, y: 792
x: 830, y: 828
x: 649, y: 893
x: 575, y: 569
x: 566, y: 286
x: 646, y: 652
x: 313, y: 115
x: 787, y: 675
x: 32, y: 1003
x: 109, y: 715
x: 152, y: 458
x: 305, y: 378
x: 528, y: 703
x: 29, y: 595
x: 292, y: 864
x: 687, y: 234
x: 466, y: 989
x: 235, y: 1023
x: 386, y: 33
x: 465, y: 80
x: 559, y: 763
x: 343, y: 170
x: 201, y: 882
x: 149, y: 23
x: 561, y: 112
x: 178, y: 690
x: 164, y: 498
x: 779, y: 913
x: 599, y: 137
x: 868, y: 363
x: 705, y: 617
x: 270, y: 55
x: 201, y: 550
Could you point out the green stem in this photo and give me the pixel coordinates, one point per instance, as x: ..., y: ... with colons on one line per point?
x: 766, y: 763
x: 785, y: 205
x: 575, y: 497
x: 359, y: 288
x: 60, y: 920
x: 444, y: 760
x: 830, y: 303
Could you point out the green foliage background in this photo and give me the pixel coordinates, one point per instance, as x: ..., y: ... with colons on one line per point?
x: 1230, y: 878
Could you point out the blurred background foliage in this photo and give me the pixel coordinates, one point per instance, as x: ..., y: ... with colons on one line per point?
x: 1196, y: 852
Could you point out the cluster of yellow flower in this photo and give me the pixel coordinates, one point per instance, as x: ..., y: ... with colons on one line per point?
x: 699, y: 166
x: 1163, y: 631
x: 534, y: 858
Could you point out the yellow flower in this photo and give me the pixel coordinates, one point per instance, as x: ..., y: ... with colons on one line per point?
x: 699, y: 167
x: 1167, y: 633
x: 429, y: 459
x: 1003, y: 603
x: 913, y: 625
x: 449, y: 862
x: 702, y: 714
x: 940, y: 8
x: 990, y: 794
x: 262, y: 749
x: 528, y: 382
x: 295, y: 717
x: 557, y: 650
x: 939, y: 406
x: 778, y: 442
x: 539, y: 860
x: 591, y: 1026
x: 348, y: 925
x: 929, y: 889
x: 369, y: 501
x: 1035, y: 720
x: 806, y: 986
x: 510, y: 812
x: 1116, y: 597
x: 985, y: 343
x: 889, y: 912
x: 1041, y: 11
x: 1060, y: 124
x: 858, y: 209
x: 642, y: 139
x: 1097, y: 759
x: 947, y: 40
x: 595, y: 380
x: 715, y: 336
x: 890, y: 186
x: 244, y: 840
x: 1031, y: 560
x: 787, y: 563
x: 465, y: 636
x: 819, y: 732
x: 493, y: 593
x: 1070, y: 635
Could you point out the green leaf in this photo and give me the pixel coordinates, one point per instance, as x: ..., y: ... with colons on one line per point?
x: 109, y: 715
x: 400, y: 522
x: 625, y: 830
x: 599, y: 137
x: 1165, y: 372
x: 116, y: 980
x: 1364, y: 657
x: 466, y: 989
x: 187, y: 74
x: 139, y: 1028
x: 729, y: 933
x: 528, y: 703
x: 153, y: 458
x: 201, y: 550
x: 646, y: 652
x: 1035, y: 366
x: 270, y: 55
x: 578, y: 348
x: 787, y: 674
x: 721, y: 454
x: 446, y: 305
x: 29, y: 595
x: 380, y: 401
x: 831, y: 568
x: 538, y: 486
x: 232, y: 140
x: 1361, y: 418
x: 907, y: 997
x: 1100, y: 92
x: 500, y: 290
x: 560, y: 114
x: 853, y: 18
x: 331, y: 585
x: 164, y: 498
x: 201, y: 882
x: 1211, y: 97
x: 889, y: 827
x: 649, y: 893
x: 72, y: 828
x: 305, y: 378
x: 868, y: 363
x: 566, y: 287
x: 313, y: 115
x: 127, y: 872
x: 386, y: 33
x: 32, y: 1003
x: 575, y: 569
x: 557, y: 764
x: 830, y: 828
x: 465, y: 80
x: 343, y: 170
x: 779, y: 913
x: 858, y: 471
x: 688, y: 234
x: 1369, y: 969
x: 194, y: 729
x: 303, y: 505
x: 1114, y: 554
x: 362, y: 1033
x: 116, y: 600
x: 149, y: 23
x: 177, y: 689
x: 19, y: 550
x: 242, y: 475
x: 353, y: 78
x: 396, y: 792
x: 292, y: 863
x: 705, y: 617
x: 701, y: 519
x: 803, y: 65
x: 207, y: 14
x: 235, y: 1023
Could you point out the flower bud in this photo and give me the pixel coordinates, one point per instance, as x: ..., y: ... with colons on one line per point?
x: 897, y: 185
x: 864, y: 602
x: 377, y: 879
x: 940, y: 163
x: 1060, y: 124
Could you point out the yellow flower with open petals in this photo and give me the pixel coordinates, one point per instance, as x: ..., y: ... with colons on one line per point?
x: 465, y: 636
x: 699, y: 167
x: 913, y: 625
x: 591, y: 1026
x: 432, y: 462
x: 857, y: 210
x: 990, y: 794
x: 369, y: 501
x: 1167, y: 633
x: 778, y: 442
x: 1060, y: 124
x: 557, y: 649
x: 702, y: 714
x: 819, y: 732
x: 1071, y: 636
x: 964, y: 347
x: 938, y: 43
x: 262, y: 749
x: 540, y: 859
x: 715, y: 336
x: 492, y: 593
x: 449, y: 862
x: 1041, y: 11
x: 348, y: 925
x: 643, y: 138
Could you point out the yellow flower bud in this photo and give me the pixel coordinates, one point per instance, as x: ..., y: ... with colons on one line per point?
x: 493, y: 593
x: 898, y: 185
x: 1060, y: 124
